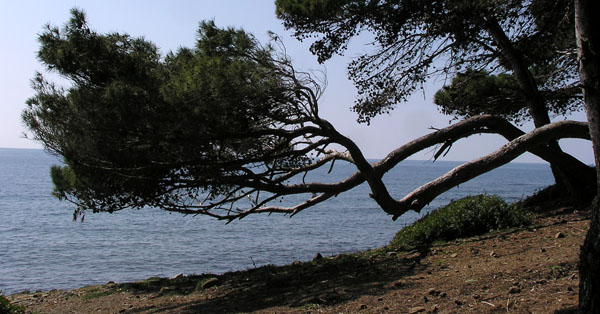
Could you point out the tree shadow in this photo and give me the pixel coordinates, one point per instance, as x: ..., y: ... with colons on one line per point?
x: 324, y: 282
x: 569, y: 310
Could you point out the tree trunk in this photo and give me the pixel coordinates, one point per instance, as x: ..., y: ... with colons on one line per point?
x: 569, y: 173
x: 588, y: 44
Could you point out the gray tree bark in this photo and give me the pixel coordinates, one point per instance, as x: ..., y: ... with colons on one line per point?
x: 587, y: 26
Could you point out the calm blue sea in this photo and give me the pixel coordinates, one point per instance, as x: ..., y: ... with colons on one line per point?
x: 41, y: 248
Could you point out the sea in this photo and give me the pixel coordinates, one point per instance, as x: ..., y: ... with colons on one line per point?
x: 42, y: 248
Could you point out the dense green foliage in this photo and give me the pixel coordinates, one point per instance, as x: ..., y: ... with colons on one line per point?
x: 469, y: 216
x: 221, y: 128
x: 7, y: 308
x: 418, y: 39
x: 136, y: 128
x: 474, y: 93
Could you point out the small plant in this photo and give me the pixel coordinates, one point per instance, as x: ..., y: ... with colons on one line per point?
x: 96, y: 292
x: 469, y: 216
x: 7, y: 308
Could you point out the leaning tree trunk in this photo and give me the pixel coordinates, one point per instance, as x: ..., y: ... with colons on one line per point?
x: 588, y: 43
x: 570, y: 174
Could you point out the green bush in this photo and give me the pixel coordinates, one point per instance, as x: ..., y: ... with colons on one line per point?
x: 7, y: 308
x: 469, y: 216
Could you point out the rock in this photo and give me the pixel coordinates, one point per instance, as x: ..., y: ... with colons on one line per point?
x: 559, y: 235
x: 493, y: 254
x: 543, y: 250
x: 443, y: 295
x: 454, y: 255
x: 435, y: 308
x: 180, y: 275
x: 363, y: 306
x: 211, y: 282
x: 390, y: 254
x: 297, y: 263
x: 398, y: 283
x: 416, y: 309
x: 514, y: 289
x: 433, y: 291
x: 317, y: 257
x: 110, y: 283
x: 413, y: 255
x: 458, y: 302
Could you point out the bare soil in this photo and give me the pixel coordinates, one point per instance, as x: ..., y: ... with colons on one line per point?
x: 525, y: 270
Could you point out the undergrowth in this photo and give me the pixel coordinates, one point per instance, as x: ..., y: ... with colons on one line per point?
x: 469, y: 216
x: 7, y: 308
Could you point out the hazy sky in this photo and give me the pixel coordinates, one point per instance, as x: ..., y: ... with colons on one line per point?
x: 172, y: 24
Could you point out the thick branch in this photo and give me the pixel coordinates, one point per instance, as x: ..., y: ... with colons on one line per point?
x: 420, y: 197
x: 529, y: 88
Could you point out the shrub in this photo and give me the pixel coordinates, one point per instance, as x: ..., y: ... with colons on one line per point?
x: 6, y: 307
x: 469, y: 216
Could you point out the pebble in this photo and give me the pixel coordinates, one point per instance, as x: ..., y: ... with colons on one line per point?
x: 559, y: 235
x: 514, y: 289
x: 433, y: 291
x: 416, y: 309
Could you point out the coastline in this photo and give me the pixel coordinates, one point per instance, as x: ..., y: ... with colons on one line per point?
x: 531, y: 269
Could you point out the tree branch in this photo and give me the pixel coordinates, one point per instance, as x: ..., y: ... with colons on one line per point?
x: 420, y: 197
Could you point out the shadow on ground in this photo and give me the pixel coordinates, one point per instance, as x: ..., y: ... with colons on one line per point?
x: 324, y: 282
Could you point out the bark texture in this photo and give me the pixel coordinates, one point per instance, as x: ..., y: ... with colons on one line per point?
x: 588, y: 42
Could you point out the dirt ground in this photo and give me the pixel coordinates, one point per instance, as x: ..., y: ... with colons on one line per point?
x: 530, y: 270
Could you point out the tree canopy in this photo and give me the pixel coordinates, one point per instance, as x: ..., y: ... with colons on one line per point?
x: 416, y: 40
x: 513, y: 59
x: 219, y: 129
x: 137, y: 129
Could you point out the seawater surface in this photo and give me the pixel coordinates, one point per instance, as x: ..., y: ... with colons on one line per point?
x: 41, y: 248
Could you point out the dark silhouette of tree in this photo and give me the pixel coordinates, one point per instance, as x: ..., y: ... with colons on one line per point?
x: 588, y: 42
x: 224, y: 129
x: 512, y: 59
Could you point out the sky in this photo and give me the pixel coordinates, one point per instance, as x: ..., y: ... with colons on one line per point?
x: 172, y: 24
